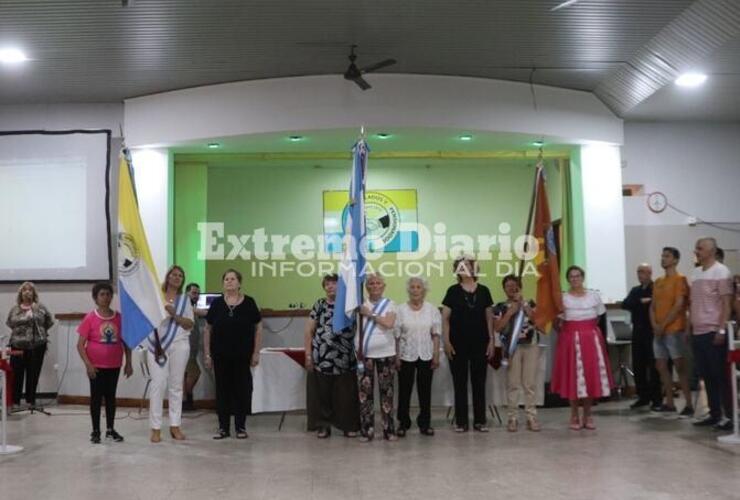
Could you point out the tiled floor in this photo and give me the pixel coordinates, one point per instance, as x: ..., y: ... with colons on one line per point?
x: 630, y: 456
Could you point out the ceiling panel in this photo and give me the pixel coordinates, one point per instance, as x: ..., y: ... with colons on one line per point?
x: 95, y: 50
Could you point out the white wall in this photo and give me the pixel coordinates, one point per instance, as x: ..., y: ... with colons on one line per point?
x: 697, y: 166
x: 327, y: 102
x: 151, y: 176
x: 601, y: 176
x: 59, y: 298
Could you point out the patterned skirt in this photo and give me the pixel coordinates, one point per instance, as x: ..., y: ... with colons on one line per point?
x: 581, y: 368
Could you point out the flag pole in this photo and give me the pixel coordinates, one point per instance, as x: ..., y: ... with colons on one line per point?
x: 519, y: 320
x: 361, y: 295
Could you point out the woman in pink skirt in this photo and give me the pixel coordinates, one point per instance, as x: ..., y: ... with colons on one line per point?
x: 581, y: 372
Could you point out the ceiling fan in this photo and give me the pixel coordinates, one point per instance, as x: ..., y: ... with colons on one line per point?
x: 354, y: 73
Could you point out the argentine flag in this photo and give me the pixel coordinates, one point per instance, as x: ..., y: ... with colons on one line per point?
x: 352, y: 265
x: 142, y: 304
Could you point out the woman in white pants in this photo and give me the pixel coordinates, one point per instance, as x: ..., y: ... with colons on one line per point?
x: 168, y: 353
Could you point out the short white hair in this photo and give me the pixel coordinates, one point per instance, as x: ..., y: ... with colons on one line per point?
x: 418, y: 279
x: 377, y: 276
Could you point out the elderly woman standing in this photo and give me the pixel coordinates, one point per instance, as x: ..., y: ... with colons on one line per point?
x: 231, y: 342
x: 467, y: 326
x: 418, y: 327
x: 379, y: 356
x: 332, y: 397
x: 29, y: 322
x: 581, y: 370
x: 167, y: 356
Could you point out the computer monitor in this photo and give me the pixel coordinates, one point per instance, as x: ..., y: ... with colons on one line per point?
x: 205, y: 299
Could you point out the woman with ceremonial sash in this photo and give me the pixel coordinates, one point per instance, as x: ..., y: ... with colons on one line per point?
x: 167, y: 355
x: 378, y: 356
x: 581, y: 369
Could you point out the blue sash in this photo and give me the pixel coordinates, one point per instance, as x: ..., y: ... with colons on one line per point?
x: 171, y: 332
x: 371, y: 325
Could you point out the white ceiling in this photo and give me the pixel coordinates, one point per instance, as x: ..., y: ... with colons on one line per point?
x: 98, y: 51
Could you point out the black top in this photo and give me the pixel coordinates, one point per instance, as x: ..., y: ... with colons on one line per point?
x: 468, y: 325
x: 641, y: 326
x: 233, y: 329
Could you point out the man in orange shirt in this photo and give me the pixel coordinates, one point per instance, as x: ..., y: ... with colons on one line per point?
x: 668, y: 317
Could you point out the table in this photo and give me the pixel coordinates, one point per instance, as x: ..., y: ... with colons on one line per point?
x: 279, y: 382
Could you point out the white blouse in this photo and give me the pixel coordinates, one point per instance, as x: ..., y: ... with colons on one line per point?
x: 382, y: 342
x: 588, y: 306
x: 416, y: 330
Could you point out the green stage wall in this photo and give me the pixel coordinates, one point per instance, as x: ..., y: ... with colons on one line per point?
x: 469, y: 198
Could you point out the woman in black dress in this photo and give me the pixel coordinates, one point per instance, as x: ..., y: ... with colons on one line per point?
x: 231, y: 343
x: 467, y: 328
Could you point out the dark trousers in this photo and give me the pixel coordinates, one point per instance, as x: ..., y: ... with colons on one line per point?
x: 233, y: 391
x: 332, y: 400
x: 422, y: 371
x: 475, y: 362
x: 28, y: 366
x: 103, y: 386
x: 709, y: 360
x: 647, y: 379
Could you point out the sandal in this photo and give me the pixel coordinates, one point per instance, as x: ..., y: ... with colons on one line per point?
x: 221, y: 434
x: 324, y: 433
x: 575, y: 424
x: 533, y: 425
x: 588, y: 423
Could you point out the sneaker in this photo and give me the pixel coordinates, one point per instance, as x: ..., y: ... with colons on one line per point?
x: 706, y: 422
x: 667, y: 411
x: 95, y: 437
x: 112, y: 434
x: 639, y: 404
x: 723, y: 425
x: 687, y: 412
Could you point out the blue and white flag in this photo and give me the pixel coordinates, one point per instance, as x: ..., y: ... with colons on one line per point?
x: 354, y: 244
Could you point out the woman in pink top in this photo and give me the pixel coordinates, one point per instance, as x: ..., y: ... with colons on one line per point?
x: 102, y: 350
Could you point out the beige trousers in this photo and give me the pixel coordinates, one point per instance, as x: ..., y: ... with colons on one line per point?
x: 522, y: 377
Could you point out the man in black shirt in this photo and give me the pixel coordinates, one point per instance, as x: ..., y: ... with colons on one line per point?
x: 647, y: 380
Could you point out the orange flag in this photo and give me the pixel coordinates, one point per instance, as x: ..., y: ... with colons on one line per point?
x: 549, y: 295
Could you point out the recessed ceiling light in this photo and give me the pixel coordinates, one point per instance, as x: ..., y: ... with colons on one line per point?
x: 213, y: 145
x: 563, y: 5
x: 382, y: 135
x: 295, y: 138
x: 466, y: 137
x: 691, y: 79
x: 10, y: 56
